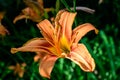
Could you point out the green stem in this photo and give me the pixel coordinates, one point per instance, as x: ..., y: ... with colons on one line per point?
x: 108, y: 46
x: 66, y: 5
x: 74, y: 5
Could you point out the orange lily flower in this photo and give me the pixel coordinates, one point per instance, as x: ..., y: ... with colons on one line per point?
x: 60, y: 41
x: 18, y: 69
x: 34, y: 11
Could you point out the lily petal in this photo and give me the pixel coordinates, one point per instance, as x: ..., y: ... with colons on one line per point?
x: 46, y: 65
x: 11, y: 67
x: 19, y: 17
x: 19, y: 70
x: 47, y: 30
x: 81, y: 30
x: 33, y: 45
x: 38, y: 56
x: 2, y: 15
x: 82, y: 57
x: 37, y: 6
x: 21, y: 73
x: 32, y: 14
x: 66, y: 21
x: 3, y: 30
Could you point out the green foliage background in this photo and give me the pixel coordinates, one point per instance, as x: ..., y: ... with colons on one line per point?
x: 104, y: 47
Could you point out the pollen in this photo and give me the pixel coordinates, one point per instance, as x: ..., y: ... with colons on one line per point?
x: 64, y: 44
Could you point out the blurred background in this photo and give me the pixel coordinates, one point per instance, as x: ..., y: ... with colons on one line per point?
x: 17, y: 25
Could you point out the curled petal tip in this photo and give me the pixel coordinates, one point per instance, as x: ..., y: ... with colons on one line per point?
x: 92, y: 66
x: 14, y: 50
x: 88, y: 67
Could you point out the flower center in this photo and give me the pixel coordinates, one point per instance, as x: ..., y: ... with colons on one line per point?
x: 64, y: 44
x: 65, y: 49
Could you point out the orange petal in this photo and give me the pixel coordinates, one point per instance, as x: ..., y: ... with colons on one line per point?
x: 35, y: 9
x: 19, y: 17
x: 34, y: 45
x: 21, y: 74
x: 47, y: 30
x: 36, y: 57
x: 32, y: 14
x: 66, y: 21
x: 3, y: 30
x: 23, y: 15
x: 19, y: 70
x: 82, y: 57
x: 40, y: 2
x: 46, y: 65
x: 36, y: 5
x: 11, y: 67
x: 81, y: 30
x: 23, y: 64
x: 39, y: 56
x: 2, y: 15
